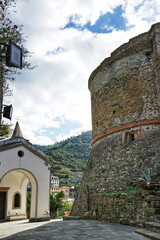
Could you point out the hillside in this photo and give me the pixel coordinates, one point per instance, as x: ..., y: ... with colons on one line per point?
x: 69, y: 157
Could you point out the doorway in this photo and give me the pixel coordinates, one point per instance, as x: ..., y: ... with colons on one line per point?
x: 2, y: 205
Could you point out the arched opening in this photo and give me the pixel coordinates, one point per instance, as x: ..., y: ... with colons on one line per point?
x: 15, y: 183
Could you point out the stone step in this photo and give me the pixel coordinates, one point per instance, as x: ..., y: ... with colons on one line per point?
x: 71, y: 217
x: 157, y: 218
x: 157, y: 211
x: 156, y: 204
x: 153, y: 226
x: 148, y: 234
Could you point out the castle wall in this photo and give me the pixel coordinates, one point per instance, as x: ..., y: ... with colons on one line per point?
x: 125, y: 99
x: 131, y: 208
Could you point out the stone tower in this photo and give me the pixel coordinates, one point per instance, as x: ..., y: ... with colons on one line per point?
x: 125, y: 100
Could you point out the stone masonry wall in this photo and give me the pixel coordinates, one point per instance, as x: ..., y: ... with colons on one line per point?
x: 133, y: 209
x: 125, y: 208
x: 124, y: 88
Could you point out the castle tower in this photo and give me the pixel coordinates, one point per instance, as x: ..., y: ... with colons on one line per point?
x: 125, y: 100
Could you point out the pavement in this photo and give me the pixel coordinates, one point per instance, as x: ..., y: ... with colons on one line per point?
x: 67, y: 230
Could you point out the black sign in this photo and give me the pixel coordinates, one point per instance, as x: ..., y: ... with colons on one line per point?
x: 14, y: 56
x: 7, y: 111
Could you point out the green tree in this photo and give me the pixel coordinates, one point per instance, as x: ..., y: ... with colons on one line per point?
x: 5, y: 131
x: 28, y: 203
x: 56, y: 204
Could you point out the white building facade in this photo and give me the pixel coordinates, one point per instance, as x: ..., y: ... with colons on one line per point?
x: 20, y: 164
x: 54, y: 181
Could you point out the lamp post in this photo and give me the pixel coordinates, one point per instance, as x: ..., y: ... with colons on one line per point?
x: 13, y: 57
x: 72, y: 191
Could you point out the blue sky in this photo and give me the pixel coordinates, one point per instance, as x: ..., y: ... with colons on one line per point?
x: 106, y: 23
x: 65, y: 128
x: 69, y: 39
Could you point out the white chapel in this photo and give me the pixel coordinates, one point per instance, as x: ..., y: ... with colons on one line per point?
x: 21, y: 164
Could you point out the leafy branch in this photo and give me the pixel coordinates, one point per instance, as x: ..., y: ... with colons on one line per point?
x: 10, y: 31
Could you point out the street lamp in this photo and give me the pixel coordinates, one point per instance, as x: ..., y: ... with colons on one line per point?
x: 72, y: 191
x: 7, y: 111
x: 13, y: 59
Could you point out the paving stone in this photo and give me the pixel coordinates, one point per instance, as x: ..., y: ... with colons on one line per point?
x: 149, y: 234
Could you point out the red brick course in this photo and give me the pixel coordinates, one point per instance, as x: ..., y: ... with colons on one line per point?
x: 125, y: 126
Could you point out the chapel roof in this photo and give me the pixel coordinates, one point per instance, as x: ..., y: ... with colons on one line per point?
x: 17, y: 139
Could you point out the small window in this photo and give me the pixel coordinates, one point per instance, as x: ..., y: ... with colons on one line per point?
x: 17, y: 201
x: 129, y: 137
x: 20, y: 153
x: 132, y: 136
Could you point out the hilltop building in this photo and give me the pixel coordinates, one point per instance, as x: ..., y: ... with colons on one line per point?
x: 20, y: 164
x: 125, y: 100
x: 54, y: 181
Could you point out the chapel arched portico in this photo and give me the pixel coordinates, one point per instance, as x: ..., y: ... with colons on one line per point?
x: 18, y: 180
x: 21, y: 163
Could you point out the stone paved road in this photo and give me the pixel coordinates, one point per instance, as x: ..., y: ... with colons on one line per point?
x: 67, y: 230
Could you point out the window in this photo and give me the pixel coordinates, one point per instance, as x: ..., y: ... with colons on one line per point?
x: 129, y: 137
x: 17, y: 201
x: 20, y: 153
x: 132, y: 136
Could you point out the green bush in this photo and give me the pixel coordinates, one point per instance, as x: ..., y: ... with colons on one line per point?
x: 57, y: 205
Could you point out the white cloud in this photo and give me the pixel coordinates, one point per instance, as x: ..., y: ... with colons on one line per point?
x: 46, y: 14
x: 73, y: 132
x: 56, y: 92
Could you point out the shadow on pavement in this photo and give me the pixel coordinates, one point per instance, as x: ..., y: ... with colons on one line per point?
x: 79, y: 230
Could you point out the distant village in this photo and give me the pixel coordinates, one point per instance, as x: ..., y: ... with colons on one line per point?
x: 69, y: 192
